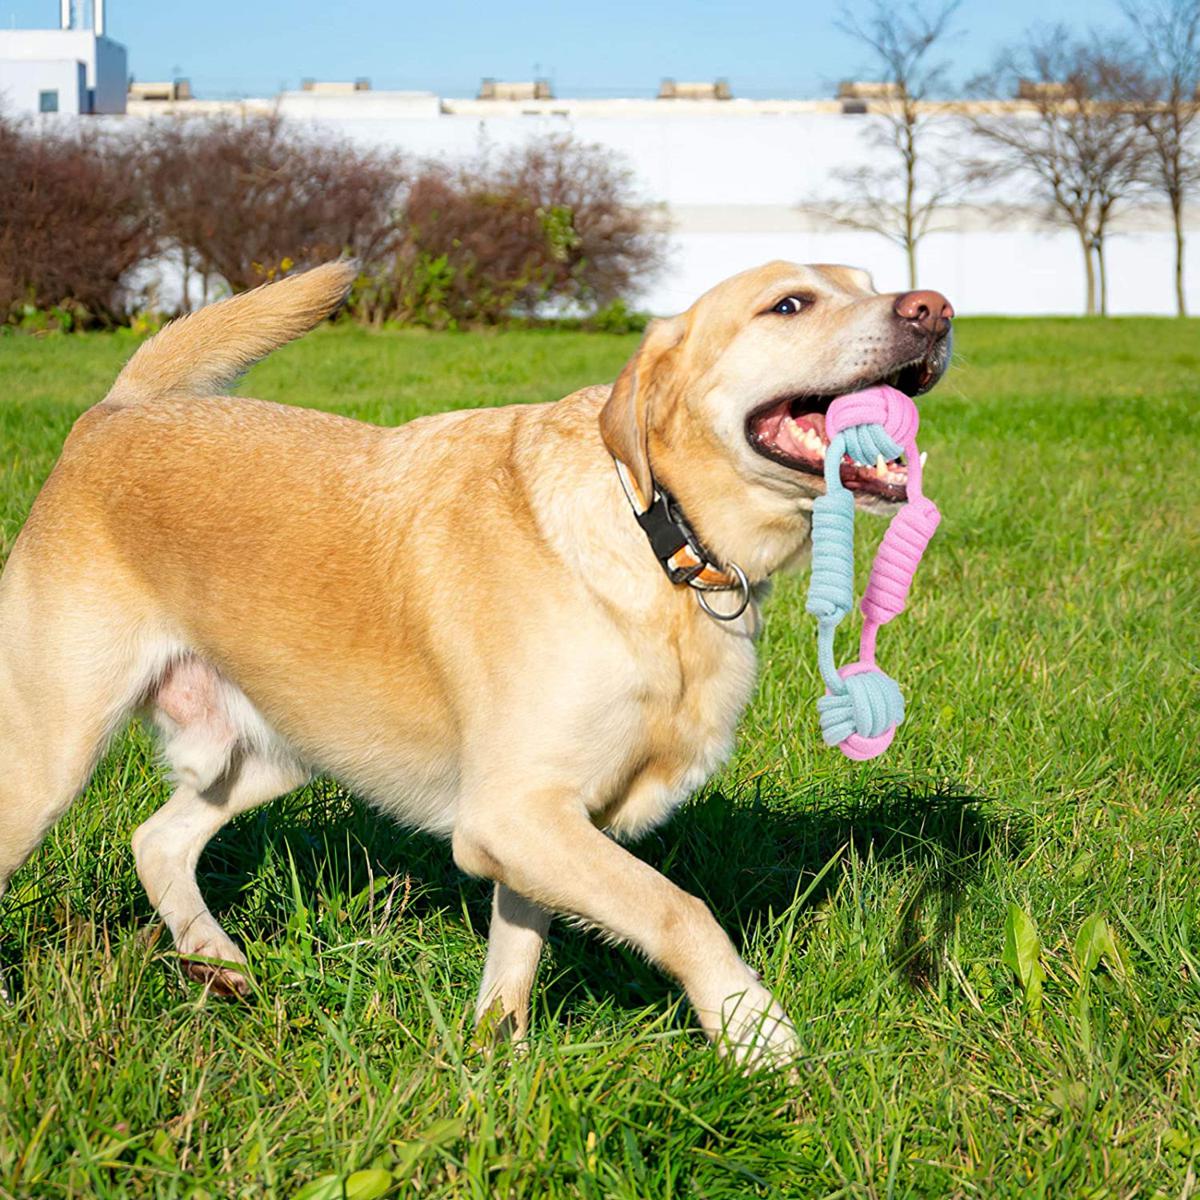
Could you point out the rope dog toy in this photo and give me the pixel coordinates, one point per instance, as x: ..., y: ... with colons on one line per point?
x: 862, y: 706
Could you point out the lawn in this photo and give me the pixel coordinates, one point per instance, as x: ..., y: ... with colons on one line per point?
x: 1048, y: 775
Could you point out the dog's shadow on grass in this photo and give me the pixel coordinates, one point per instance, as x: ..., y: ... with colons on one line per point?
x: 749, y: 857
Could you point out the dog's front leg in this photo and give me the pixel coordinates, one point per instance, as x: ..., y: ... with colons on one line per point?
x: 515, y: 939
x: 549, y: 851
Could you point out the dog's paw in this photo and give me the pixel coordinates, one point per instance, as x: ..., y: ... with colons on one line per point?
x: 217, y: 977
x: 209, y: 957
x: 499, y: 1029
x: 494, y: 1024
x: 755, y: 1031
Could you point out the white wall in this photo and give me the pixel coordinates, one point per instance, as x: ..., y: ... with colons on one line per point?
x: 740, y: 190
x: 740, y: 183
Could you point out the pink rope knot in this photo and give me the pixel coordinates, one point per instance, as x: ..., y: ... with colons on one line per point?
x: 880, y: 405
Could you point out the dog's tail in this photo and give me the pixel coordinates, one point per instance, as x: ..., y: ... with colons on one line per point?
x: 202, y: 354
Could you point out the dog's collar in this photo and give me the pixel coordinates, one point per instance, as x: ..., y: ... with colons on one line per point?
x: 678, y: 549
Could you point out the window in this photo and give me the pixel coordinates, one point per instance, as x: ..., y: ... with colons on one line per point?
x: 48, y: 101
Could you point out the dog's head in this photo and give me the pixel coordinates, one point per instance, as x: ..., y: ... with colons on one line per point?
x: 726, y: 403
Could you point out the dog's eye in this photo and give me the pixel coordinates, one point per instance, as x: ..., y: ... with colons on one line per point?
x: 789, y: 306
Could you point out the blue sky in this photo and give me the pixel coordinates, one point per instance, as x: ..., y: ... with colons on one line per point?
x: 615, y: 47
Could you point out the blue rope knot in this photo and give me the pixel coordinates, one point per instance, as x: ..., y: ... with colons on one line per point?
x: 865, y: 443
x: 868, y: 704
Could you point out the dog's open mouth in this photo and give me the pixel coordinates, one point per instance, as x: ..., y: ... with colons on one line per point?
x: 791, y: 431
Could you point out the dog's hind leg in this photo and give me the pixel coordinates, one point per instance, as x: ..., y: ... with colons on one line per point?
x: 515, y: 939
x: 167, y: 848
x: 72, y: 666
x: 225, y: 760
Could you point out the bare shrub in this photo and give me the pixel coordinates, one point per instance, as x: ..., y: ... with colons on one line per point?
x: 74, y: 224
x: 246, y: 198
x: 600, y: 243
x: 550, y: 222
x: 469, y: 254
x: 241, y: 199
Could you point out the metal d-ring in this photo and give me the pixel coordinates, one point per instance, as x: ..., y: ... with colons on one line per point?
x: 743, y: 584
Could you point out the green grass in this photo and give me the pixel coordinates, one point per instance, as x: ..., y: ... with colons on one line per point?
x: 1052, y: 663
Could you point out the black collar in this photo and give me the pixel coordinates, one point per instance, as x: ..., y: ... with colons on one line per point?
x: 679, y: 550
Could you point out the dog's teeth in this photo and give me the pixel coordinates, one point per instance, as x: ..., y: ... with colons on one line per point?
x: 924, y: 456
x: 805, y: 435
x: 880, y: 464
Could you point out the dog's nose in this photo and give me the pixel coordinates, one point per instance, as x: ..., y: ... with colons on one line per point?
x: 931, y: 311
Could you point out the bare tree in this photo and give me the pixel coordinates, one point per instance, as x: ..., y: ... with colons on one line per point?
x: 1077, y: 141
x: 900, y: 202
x: 1166, y: 83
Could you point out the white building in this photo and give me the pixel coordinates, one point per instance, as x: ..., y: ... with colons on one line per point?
x: 71, y: 69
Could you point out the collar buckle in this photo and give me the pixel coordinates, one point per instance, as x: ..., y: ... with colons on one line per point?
x: 668, y: 534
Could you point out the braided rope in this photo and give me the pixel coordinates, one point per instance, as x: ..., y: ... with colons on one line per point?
x: 862, y: 705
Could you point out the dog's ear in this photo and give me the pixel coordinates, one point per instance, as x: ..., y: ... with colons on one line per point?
x: 625, y: 417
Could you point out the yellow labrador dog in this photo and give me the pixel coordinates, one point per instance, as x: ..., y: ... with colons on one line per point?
x: 485, y: 622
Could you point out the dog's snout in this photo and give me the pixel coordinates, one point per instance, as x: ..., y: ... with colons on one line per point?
x: 930, y: 311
